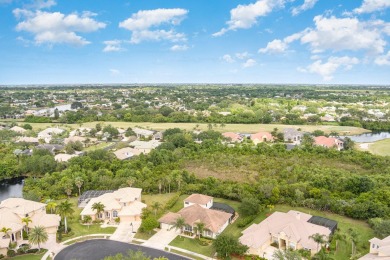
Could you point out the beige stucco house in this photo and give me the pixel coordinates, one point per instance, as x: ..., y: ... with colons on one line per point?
x: 379, y: 249
x: 13, y: 210
x: 197, y: 208
x: 124, y: 203
x: 283, y: 230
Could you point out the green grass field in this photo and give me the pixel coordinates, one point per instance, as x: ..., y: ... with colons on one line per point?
x: 193, y: 245
x: 245, y: 128
x: 37, y: 256
x: 381, y: 147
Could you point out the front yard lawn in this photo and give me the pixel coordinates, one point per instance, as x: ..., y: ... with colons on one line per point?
x: 36, y: 256
x: 144, y: 236
x: 193, y: 246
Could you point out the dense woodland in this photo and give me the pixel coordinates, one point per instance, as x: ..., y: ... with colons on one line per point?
x: 350, y: 183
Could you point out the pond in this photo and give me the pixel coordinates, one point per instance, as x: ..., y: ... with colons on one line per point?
x: 370, y: 137
x: 12, y: 188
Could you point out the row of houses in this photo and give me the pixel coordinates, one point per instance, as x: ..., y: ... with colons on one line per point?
x: 290, y: 135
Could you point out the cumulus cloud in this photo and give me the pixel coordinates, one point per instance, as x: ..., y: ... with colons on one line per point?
x: 383, y: 59
x: 328, y: 68
x: 249, y: 63
x: 113, y: 46
x: 178, y: 47
x: 54, y: 28
x: 369, y: 6
x: 242, y: 55
x: 140, y: 25
x: 228, y: 58
x: 308, y: 4
x: 275, y: 46
x: 245, y: 16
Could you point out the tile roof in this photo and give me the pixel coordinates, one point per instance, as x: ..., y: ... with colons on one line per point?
x: 198, y: 199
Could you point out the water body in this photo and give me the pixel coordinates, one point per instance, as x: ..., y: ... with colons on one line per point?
x: 12, y: 188
x: 370, y: 137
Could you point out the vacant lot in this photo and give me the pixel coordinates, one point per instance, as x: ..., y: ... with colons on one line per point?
x: 244, y: 128
x: 380, y: 148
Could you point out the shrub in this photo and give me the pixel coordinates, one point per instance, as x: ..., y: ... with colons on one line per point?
x: 118, y: 220
x: 32, y: 251
x: 12, y: 245
x: 25, y: 235
x: 172, y: 202
x: 1, y: 256
x: 11, y: 253
x: 244, y: 221
x: 204, y: 241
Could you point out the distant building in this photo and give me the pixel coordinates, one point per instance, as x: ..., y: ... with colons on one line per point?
x: 292, y: 135
x: 18, y: 129
x: 379, y: 249
x: 126, y: 153
x: 233, y: 137
x: 48, y: 133
x: 261, y: 137
x: 329, y: 142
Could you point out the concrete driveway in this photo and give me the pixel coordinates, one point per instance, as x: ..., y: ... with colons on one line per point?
x: 125, y: 232
x: 161, y: 239
x: 100, y: 248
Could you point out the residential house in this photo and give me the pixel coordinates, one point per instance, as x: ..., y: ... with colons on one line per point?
x: 124, y: 203
x: 199, y: 208
x: 126, y: 153
x: 145, y: 146
x: 53, y: 148
x: 379, y: 249
x: 82, y: 131
x: 285, y: 230
x: 48, y: 133
x: 30, y: 140
x: 18, y: 129
x: 13, y: 210
x: 329, y: 142
x: 63, y: 157
x: 262, y: 137
x: 292, y: 135
x: 143, y: 133
x: 233, y: 137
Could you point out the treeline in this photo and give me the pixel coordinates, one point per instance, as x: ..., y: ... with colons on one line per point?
x: 350, y: 183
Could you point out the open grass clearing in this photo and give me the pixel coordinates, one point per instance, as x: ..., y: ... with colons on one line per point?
x: 193, y: 246
x: 149, y: 199
x: 381, y: 147
x: 144, y: 235
x: 245, y: 128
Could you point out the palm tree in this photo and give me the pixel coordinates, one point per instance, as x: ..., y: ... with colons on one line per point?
x: 199, y: 228
x: 51, y: 205
x: 322, y: 255
x: 26, y: 220
x: 318, y: 238
x: 79, y: 182
x: 65, y: 210
x: 87, y: 219
x: 37, y: 236
x: 156, y: 206
x: 168, y: 180
x: 99, y: 207
x: 338, y: 237
x: 354, y: 239
x: 180, y: 223
x: 5, y: 230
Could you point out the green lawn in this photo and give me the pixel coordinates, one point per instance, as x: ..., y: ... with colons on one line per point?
x: 37, y: 256
x: 144, y: 236
x: 249, y: 128
x: 193, y: 245
x: 149, y: 199
x: 381, y: 147
x: 78, y: 229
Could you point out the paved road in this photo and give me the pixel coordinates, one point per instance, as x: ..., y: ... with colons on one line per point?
x: 98, y: 249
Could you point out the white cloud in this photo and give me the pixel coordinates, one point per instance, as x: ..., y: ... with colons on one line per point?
x: 242, y: 55
x: 369, y: 6
x: 178, y: 47
x: 41, y: 4
x: 228, y: 58
x: 383, y: 59
x: 56, y: 27
x: 275, y: 46
x: 113, y: 46
x: 140, y: 25
x: 343, y: 34
x: 114, y: 72
x: 308, y: 4
x: 249, y: 63
x: 245, y: 16
x: 328, y: 68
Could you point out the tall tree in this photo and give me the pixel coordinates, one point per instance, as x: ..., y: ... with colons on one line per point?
x: 199, y: 228
x: 180, y: 223
x: 37, y: 236
x: 51, y: 205
x: 99, y: 207
x: 156, y: 206
x: 65, y: 209
x: 318, y: 238
x: 79, y: 182
x: 26, y: 221
x: 5, y: 230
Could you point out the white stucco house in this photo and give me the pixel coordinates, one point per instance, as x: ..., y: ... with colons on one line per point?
x: 379, y: 249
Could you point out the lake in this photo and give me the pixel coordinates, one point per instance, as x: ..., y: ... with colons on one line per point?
x: 12, y: 188
x: 370, y: 137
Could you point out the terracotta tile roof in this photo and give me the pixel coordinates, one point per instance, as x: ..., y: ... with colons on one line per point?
x: 260, y: 136
x: 198, y: 199
x: 327, y: 141
x: 233, y: 136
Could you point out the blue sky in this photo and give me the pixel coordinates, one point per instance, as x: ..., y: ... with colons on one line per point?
x: 195, y: 41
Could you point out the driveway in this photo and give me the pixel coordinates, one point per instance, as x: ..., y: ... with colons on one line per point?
x: 125, y: 232
x: 100, y: 248
x: 161, y: 239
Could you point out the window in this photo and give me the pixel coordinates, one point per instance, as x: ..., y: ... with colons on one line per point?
x: 188, y: 228
x: 115, y: 214
x: 207, y: 233
x: 107, y: 214
x: 186, y: 203
x: 373, y: 245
